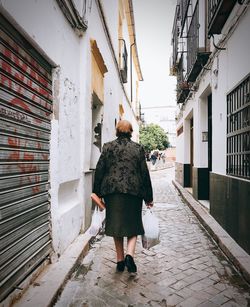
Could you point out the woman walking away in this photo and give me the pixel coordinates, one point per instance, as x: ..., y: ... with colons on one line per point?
x: 122, y: 179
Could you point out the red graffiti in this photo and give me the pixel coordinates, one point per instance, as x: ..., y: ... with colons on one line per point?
x: 26, y: 168
x: 9, y: 83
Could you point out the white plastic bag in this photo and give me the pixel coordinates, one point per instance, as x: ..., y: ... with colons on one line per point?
x: 96, y: 222
x: 151, y: 228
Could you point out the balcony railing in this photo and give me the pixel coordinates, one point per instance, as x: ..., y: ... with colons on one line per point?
x: 183, y: 87
x: 184, y: 4
x: 175, y: 33
x: 218, y: 12
x: 123, y: 61
x: 197, y: 56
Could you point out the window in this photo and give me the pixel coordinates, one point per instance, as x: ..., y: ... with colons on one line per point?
x: 123, y: 61
x: 238, y: 130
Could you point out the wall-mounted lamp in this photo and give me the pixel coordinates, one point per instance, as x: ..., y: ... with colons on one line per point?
x: 204, y: 136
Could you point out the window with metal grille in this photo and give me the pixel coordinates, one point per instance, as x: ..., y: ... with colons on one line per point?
x: 238, y: 130
x: 123, y: 61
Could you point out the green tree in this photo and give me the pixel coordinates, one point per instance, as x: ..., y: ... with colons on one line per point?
x: 152, y: 137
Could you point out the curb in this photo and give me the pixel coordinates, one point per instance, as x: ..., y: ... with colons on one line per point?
x: 45, y: 289
x: 237, y: 255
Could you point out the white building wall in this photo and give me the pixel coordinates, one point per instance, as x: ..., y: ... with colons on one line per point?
x: 71, y: 136
x: 233, y: 66
x: 66, y: 208
x: 229, y: 67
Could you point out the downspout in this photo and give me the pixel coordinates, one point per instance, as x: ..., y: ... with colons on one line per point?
x: 131, y: 73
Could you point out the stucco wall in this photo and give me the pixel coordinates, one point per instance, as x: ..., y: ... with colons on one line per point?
x: 229, y: 67
x: 71, y: 135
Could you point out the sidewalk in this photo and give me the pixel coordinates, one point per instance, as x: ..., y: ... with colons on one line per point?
x: 186, y: 269
x: 234, y: 252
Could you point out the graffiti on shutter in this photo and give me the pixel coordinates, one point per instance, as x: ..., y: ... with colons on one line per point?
x: 25, y: 109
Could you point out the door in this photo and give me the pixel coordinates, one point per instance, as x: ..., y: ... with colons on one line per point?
x: 191, y: 150
x: 25, y: 108
x: 209, y: 104
x: 209, y: 100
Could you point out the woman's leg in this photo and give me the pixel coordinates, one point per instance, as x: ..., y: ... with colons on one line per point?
x: 131, y: 245
x: 119, y: 248
x: 129, y: 259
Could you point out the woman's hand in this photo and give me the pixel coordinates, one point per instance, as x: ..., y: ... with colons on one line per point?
x: 149, y: 204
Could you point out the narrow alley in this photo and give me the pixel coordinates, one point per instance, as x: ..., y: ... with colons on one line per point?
x: 185, y: 269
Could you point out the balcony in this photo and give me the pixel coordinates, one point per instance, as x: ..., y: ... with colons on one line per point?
x: 183, y: 87
x: 218, y: 13
x: 184, y: 4
x: 183, y: 90
x: 123, y: 61
x: 175, y: 34
x: 197, y: 54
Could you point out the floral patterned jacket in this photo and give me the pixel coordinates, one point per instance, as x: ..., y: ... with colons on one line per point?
x: 122, y: 168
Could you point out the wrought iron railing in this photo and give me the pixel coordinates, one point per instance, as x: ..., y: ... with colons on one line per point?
x: 175, y: 34
x: 218, y: 12
x: 184, y: 10
x: 123, y: 61
x: 212, y: 8
x: 183, y: 87
x: 193, y: 40
x: 238, y: 130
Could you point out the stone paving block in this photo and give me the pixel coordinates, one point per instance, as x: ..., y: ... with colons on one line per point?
x: 162, y: 290
x: 198, y: 286
x: 191, y: 279
x: 208, y: 304
x: 220, y: 286
x: 190, y: 302
x: 189, y: 271
x: 212, y: 290
x: 167, y: 281
x: 179, y: 285
x: 185, y: 292
x: 174, y: 299
x: 219, y: 299
x: 202, y: 295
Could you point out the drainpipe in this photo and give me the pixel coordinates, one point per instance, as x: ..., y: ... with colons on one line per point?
x: 131, y: 81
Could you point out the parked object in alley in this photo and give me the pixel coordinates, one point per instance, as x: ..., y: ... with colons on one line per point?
x: 98, y: 201
x: 122, y: 179
x: 151, y: 236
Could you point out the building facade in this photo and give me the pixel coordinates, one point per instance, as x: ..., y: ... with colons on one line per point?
x: 69, y: 71
x: 210, y: 42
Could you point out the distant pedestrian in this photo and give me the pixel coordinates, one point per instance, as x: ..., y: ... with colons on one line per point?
x: 122, y: 179
x: 163, y: 156
x: 153, y: 158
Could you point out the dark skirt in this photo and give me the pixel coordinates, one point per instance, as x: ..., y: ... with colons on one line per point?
x: 123, y: 215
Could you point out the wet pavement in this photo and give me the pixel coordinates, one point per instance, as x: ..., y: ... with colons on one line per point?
x: 185, y: 269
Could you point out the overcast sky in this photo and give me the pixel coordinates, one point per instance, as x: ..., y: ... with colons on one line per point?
x: 153, y: 25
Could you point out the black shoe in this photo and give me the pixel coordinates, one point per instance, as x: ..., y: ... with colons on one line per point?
x: 130, y: 264
x: 120, y: 266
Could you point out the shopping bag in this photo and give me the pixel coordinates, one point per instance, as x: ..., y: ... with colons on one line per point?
x: 96, y: 222
x: 151, y: 236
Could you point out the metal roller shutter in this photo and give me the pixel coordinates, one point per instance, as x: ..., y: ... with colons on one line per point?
x: 25, y: 108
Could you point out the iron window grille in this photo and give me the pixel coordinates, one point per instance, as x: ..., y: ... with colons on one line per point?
x: 238, y: 130
x: 123, y: 61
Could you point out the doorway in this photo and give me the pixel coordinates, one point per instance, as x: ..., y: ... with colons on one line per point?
x: 209, y: 106
x: 191, y: 150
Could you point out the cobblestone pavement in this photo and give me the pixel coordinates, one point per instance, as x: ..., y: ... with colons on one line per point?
x: 185, y: 269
